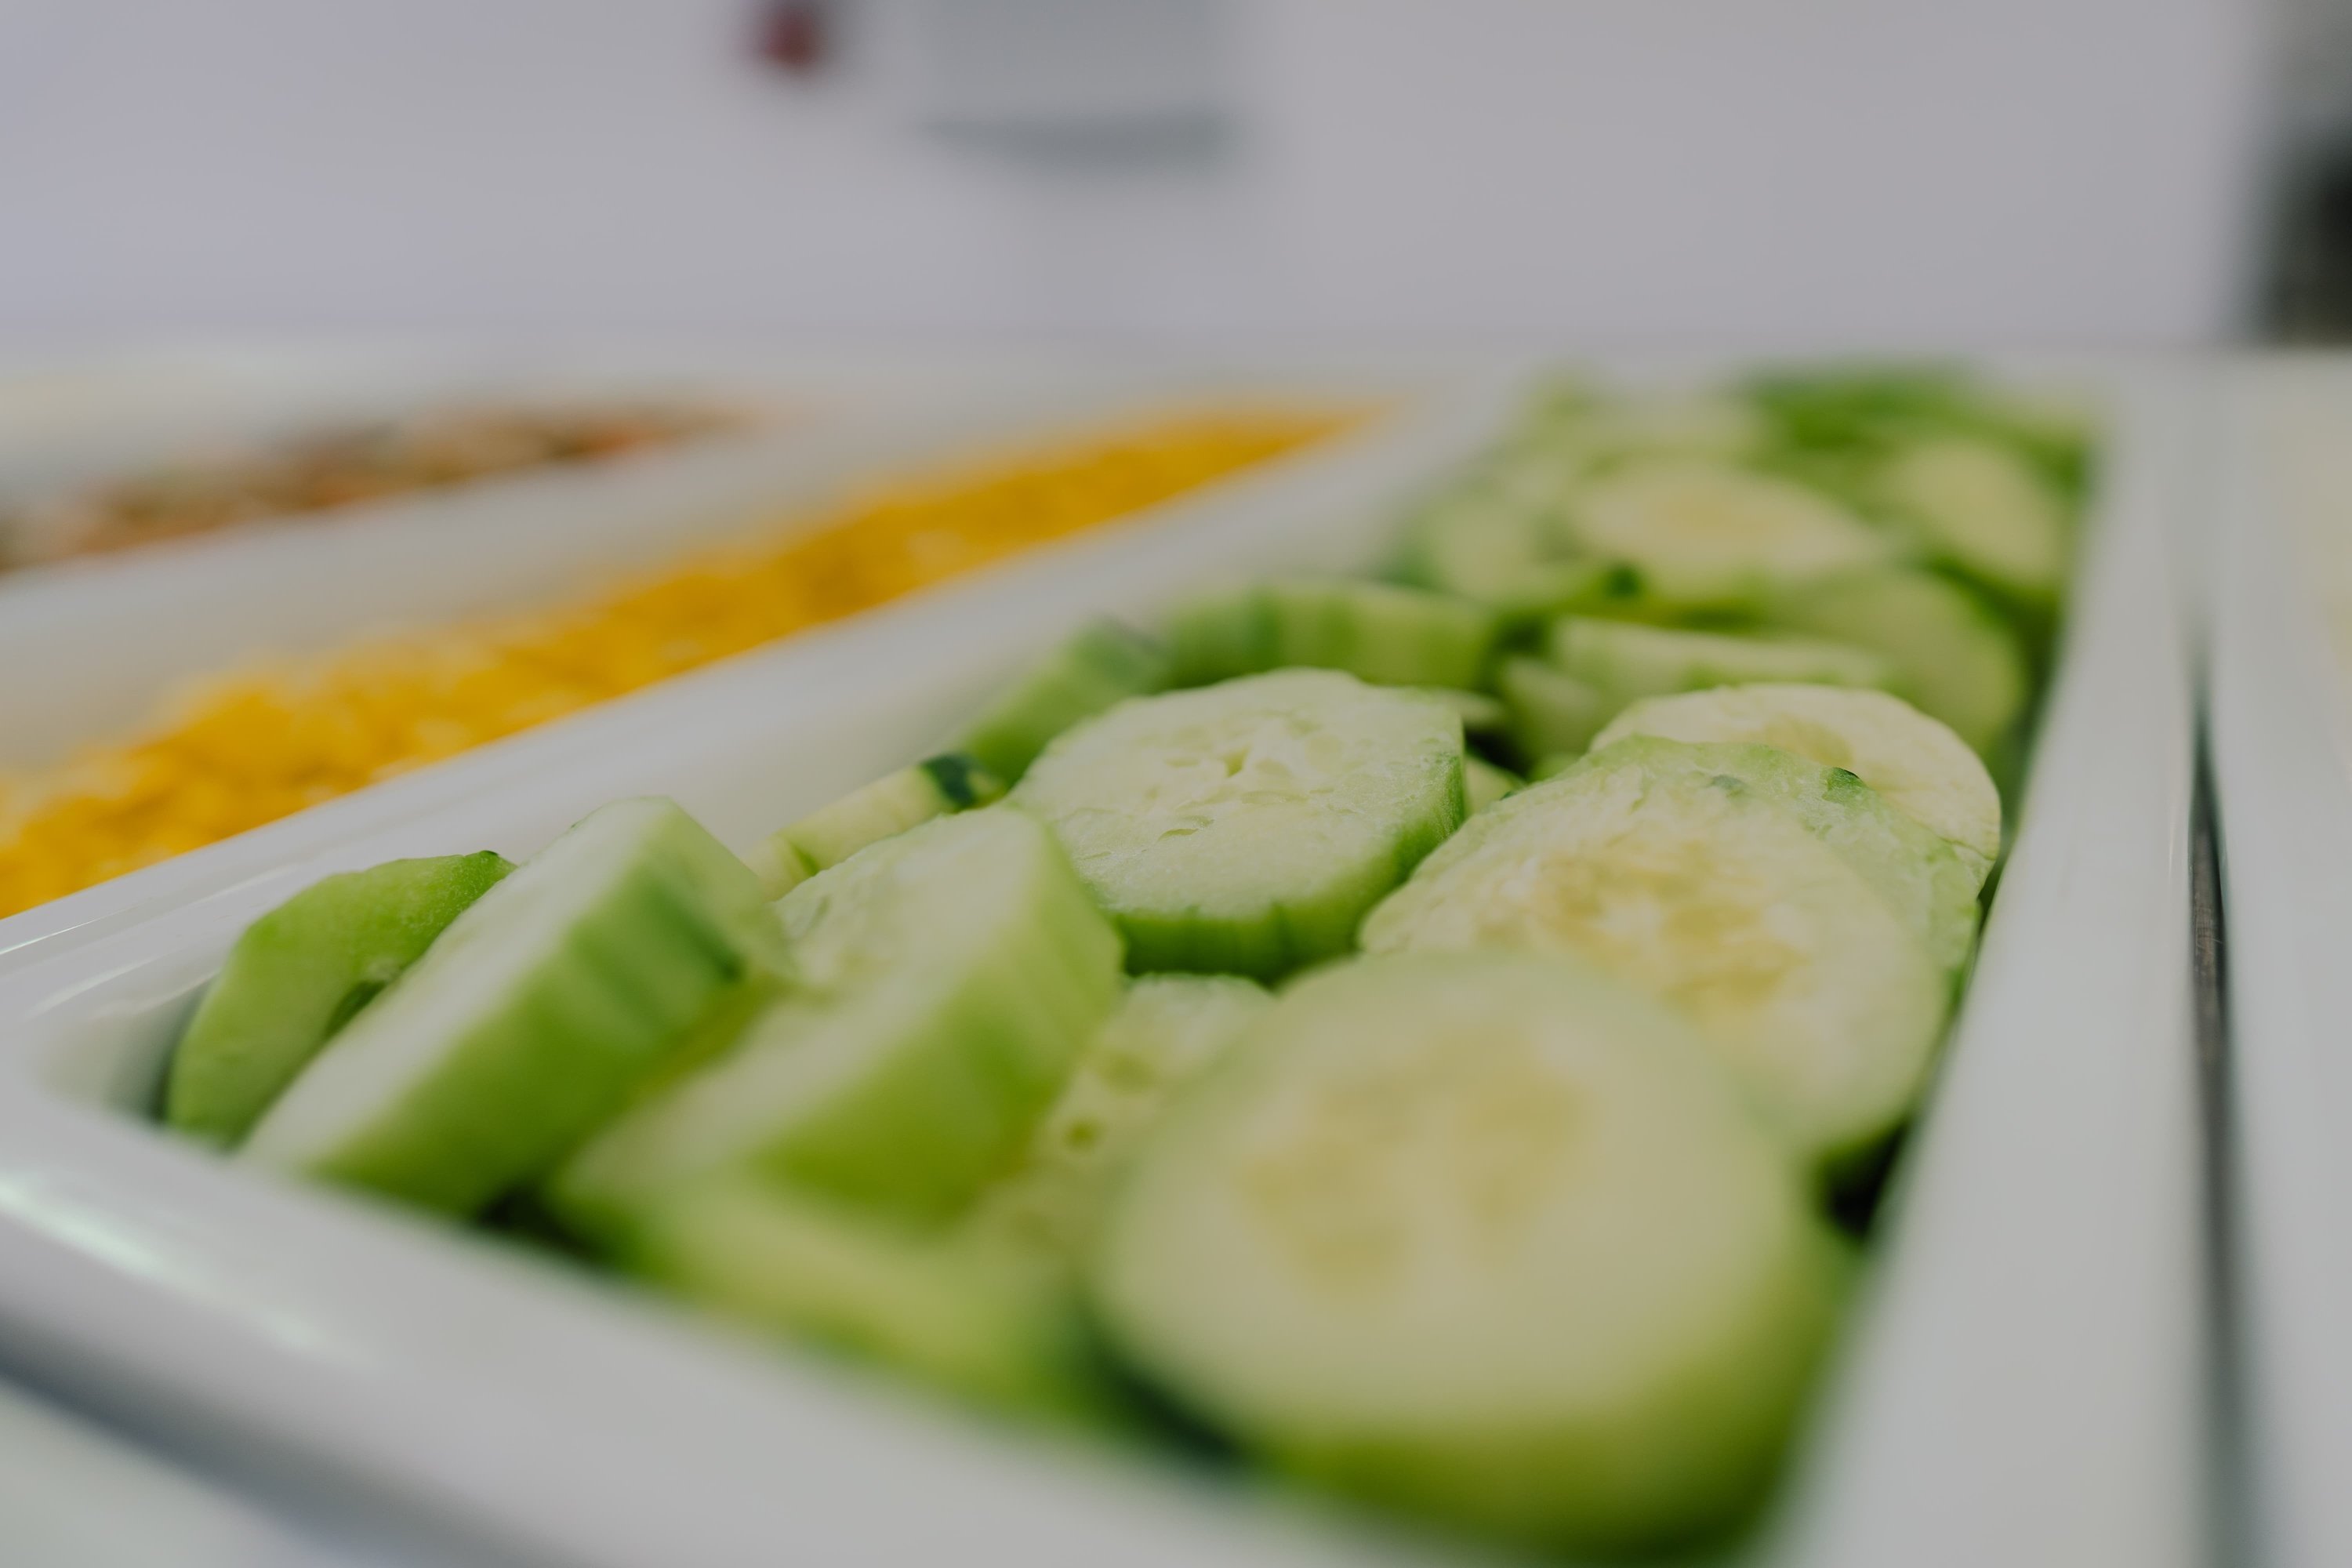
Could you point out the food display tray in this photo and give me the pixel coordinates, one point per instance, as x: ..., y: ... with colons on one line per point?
x: 2020, y: 1380
x: 2280, y: 701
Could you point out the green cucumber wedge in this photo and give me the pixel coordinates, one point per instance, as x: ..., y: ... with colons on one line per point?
x: 964, y: 1318
x: 1624, y: 660
x: 1169, y: 1030
x: 944, y: 982
x: 1245, y: 827
x: 890, y: 805
x: 1484, y: 784
x: 1378, y: 632
x: 1103, y: 662
x: 1986, y: 511
x: 300, y: 972
x: 532, y: 1018
x: 1553, y: 713
x: 1920, y: 766
x: 1706, y: 536
x: 1484, y: 1238
x: 1957, y: 659
x: 1913, y: 869
x: 1704, y: 891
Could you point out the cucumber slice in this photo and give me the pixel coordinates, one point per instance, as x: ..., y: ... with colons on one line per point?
x: 1504, y: 553
x: 300, y: 972
x: 946, y: 980
x: 1169, y: 1030
x: 1480, y: 715
x: 1106, y: 662
x: 1485, y: 1239
x: 1702, y: 889
x: 1625, y: 660
x: 1984, y: 509
x: 1484, y: 784
x: 1920, y: 766
x: 1711, y: 537
x: 1553, y: 713
x: 1955, y: 656
x: 532, y: 1018
x: 1245, y: 827
x: 890, y: 805
x: 1377, y: 632
x: 1912, y: 868
x: 963, y: 1318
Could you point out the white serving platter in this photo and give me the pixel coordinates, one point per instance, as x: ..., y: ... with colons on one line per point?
x: 2021, y: 1382
x: 107, y: 642
x: 2281, y: 721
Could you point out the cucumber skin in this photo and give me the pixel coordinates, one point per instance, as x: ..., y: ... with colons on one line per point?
x: 566, y: 1044
x: 1103, y: 663
x: 906, y: 798
x: 277, y: 1003
x: 966, y: 1319
x: 1378, y: 632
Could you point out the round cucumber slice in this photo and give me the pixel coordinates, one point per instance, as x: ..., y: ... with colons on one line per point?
x: 1503, y: 550
x: 1914, y: 869
x: 1105, y: 662
x: 1167, y: 1032
x: 1625, y: 660
x: 1986, y: 509
x: 300, y: 972
x: 1920, y: 766
x: 1378, y: 632
x: 945, y: 980
x: 1246, y: 827
x: 1485, y: 1237
x: 1956, y: 658
x: 1710, y: 536
x: 1703, y: 889
x: 962, y: 1317
x: 532, y: 1018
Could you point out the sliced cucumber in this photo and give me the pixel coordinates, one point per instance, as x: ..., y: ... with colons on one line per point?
x: 1378, y: 632
x: 1912, y: 868
x: 300, y: 972
x: 964, y: 1318
x: 532, y: 1016
x: 1553, y: 713
x: 1707, y: 536
x: 1625, y: 660
x: 891, y: 804
x: 1504, y: 552
x: 1484, y: 784
x: 1986, y: 511
x: 1106, y: 662
x: 1245, y: 827
x: 1480, y: 715
x: 1169, y: 1030
x: 1702, y: 889
x: 1485, y: 1239
x: 1920, y: 766
x: 1957, y: 659
x: 945, y: 981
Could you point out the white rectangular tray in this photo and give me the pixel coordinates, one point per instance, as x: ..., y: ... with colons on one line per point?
x: 2020, y: 1383
x: 2281, y: 720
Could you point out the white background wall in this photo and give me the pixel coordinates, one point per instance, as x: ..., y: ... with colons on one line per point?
x: 1404, y: 170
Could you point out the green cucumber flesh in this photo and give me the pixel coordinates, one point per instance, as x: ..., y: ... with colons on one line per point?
x: 1105, y: 662
x: 1553, y: 713
x: 944, y: 982
x: 1955, y: 659
x: 299, y: 973
x: 1485, y: 1239
x: 1984, y: 509
x: 935, y: 786
x: 1920, y: 766
x: 1705, y: 892
x: 1504, y: 553
x: 1626, y: 660
x: 532, y: 1018
x: 1377, y: 632
x: 1245, y: 827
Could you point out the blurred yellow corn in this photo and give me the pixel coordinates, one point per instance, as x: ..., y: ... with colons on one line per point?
x: 260, y: 743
